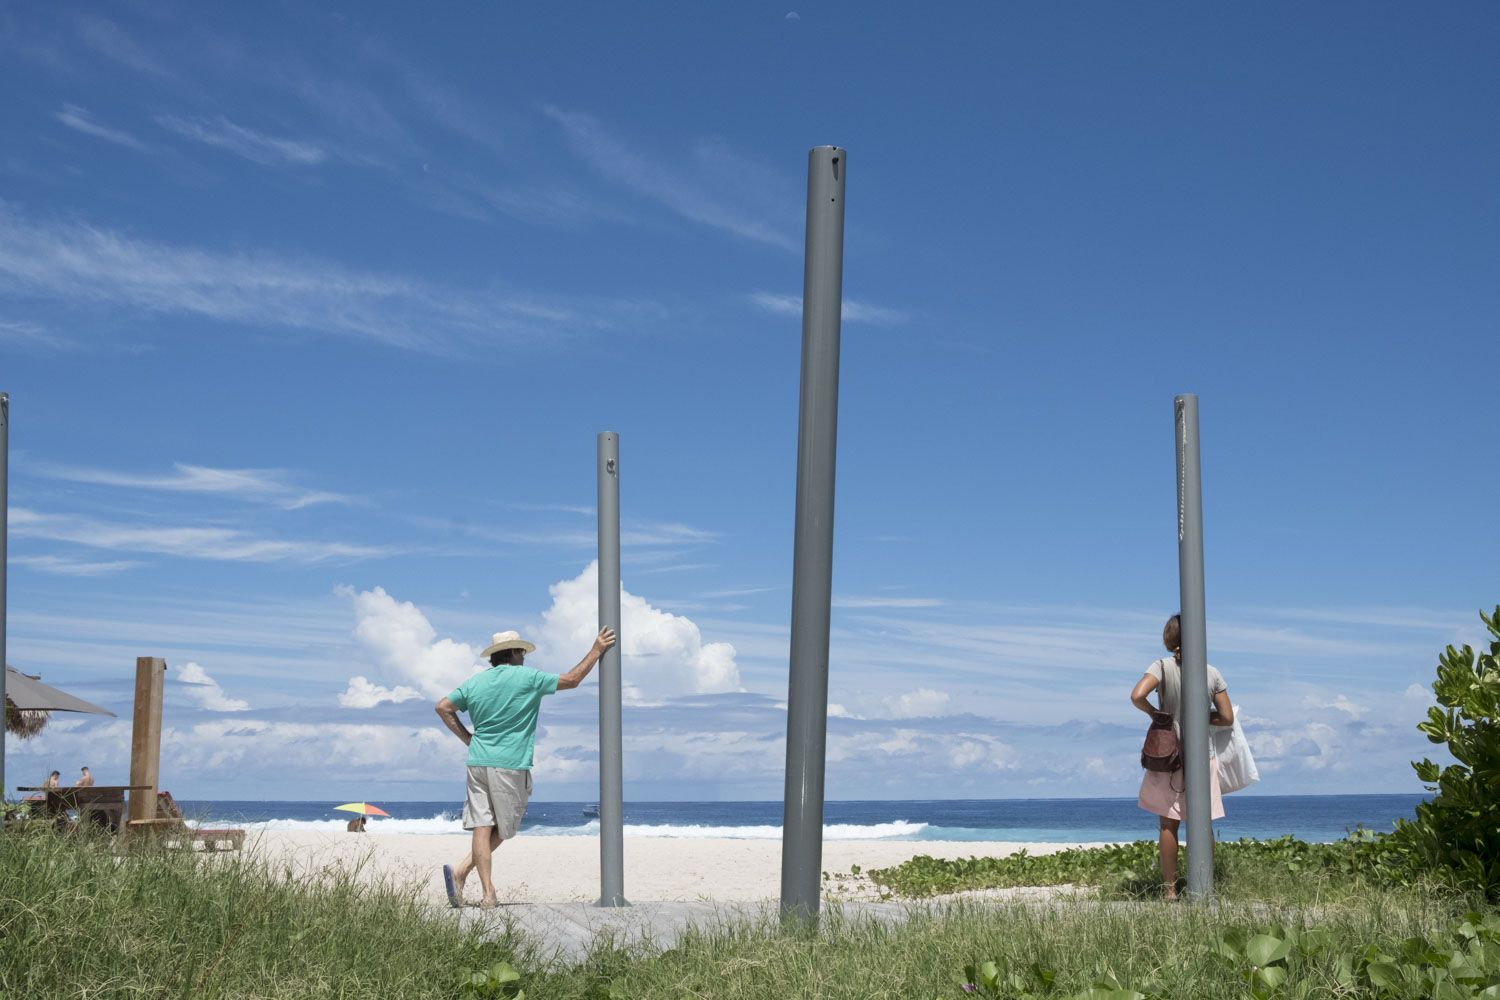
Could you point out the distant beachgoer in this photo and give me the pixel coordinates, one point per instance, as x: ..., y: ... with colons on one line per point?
x: 502, y: 703
x: 356, y: 825
x: 54, y: 780
x: 1162, y: 793
x: 85, y: 780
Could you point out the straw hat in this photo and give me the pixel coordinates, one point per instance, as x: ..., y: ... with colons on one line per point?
x: 506, y: 640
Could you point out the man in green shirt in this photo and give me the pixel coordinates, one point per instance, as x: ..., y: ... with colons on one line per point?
x: 502, y: 703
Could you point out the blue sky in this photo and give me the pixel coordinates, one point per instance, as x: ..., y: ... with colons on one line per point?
x: 310, y: 318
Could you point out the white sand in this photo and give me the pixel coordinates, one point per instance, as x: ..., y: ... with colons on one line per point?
x: 539, y: 869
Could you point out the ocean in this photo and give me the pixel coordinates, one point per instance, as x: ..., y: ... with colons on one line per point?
x: 1053, y: 821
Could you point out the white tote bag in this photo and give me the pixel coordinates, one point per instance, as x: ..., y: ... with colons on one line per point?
x: 1232, y: 756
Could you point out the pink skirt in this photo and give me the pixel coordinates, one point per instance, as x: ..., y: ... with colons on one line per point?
x: 1163, y: 794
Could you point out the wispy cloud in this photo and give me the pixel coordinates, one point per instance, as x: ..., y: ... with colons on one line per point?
x: 22, y: 333
x: 887, y: 602
x: 247, y: 142
x: 110, y: 40
x: 65, y: 566
x: 265, y: 485
x: 679, y: 190
x: 854, y: 311
x: 80, y: 120
x: 216, y: 544
x: 78, y: 263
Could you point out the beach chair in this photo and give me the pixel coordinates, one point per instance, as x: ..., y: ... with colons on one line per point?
x: 171, y: 828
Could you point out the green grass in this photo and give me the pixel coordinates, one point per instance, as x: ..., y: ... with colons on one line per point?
x: 78, y: 921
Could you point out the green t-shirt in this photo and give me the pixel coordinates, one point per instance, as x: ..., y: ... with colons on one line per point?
x: 502, y: 703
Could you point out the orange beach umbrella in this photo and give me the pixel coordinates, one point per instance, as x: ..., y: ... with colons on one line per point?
x: 363, y: 808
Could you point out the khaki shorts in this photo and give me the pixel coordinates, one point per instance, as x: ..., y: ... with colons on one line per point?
x: 496, y: 796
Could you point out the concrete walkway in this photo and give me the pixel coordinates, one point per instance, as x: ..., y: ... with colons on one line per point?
x: 568, y: 930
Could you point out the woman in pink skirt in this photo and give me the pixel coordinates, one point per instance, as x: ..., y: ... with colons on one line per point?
x: 1162, y: 793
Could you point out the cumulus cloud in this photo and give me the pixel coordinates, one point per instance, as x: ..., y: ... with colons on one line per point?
x: 662, y: 654
x: 361, y: 693
x: 206, y: 691
x: 405, y: 647
x: 923, y: 702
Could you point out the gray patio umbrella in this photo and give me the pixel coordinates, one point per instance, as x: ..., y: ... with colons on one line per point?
x: 29, y: 694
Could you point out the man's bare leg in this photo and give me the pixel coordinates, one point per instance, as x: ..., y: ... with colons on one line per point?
x: 464, y: 868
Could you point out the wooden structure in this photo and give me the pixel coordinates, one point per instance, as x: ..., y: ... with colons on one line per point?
x: 96, y: 805
x: 145, y: 735
x: 171, y: 828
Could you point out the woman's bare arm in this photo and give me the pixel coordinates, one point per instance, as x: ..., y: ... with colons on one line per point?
x: 1140, y: 696
x: 1224, y: 709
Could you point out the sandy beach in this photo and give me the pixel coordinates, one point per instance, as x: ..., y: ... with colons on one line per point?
x: 541, y: 869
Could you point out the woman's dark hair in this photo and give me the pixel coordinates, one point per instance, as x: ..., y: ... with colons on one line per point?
x: 55, y: 774
x: 505, y: 656
x: 1171, y: 635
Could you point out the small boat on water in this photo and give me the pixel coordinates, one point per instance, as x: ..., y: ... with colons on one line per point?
x: 591, y: 812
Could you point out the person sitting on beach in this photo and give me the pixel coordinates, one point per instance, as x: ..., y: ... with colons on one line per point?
x: 1162, y: 793
x: 356, y: 825
x: 85, y: 780
x: 502, y: 703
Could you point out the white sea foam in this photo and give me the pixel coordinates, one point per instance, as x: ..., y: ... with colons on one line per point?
x: 376, y: 824
x: 452, y: 824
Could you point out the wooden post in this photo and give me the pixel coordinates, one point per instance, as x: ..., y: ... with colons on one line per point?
x: 145, y: 734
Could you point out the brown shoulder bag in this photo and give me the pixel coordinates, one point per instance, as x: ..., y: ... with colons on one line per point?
x: 1162, y: 751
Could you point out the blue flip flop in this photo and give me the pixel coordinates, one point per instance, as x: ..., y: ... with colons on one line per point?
x: 448, y: 883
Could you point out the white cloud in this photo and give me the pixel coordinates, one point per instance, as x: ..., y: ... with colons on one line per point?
x: 206, y: 691
x: 218, y: 544
x: 27, y: 334
x: 853, y: 311
x: 361, y: 693
x: 269, y: 485
x: 79, y: 120
x: 406, y: 648
x: 1342, y: 703
x: 679, y: 190
x: 109, y: 39
x: 1417, y: 692
x: 80, y: 264
x: 662, y: 654
x: 887, y: 602
x: 66, y: 566
x: 921, y: 703
x: 247, y: 142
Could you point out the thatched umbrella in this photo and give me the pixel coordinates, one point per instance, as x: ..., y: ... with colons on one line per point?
x: 28, y: 700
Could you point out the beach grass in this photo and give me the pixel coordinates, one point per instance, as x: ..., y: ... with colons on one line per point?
x: 78, y: 919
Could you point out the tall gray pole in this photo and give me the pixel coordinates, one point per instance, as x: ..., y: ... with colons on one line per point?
x: 4, y: 562
x: 812, y: 563
x: 1194, y: 695
x: 611, y: 768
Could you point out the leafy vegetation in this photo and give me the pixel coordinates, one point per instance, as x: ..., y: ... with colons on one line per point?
x: 1457, y: 833
x: 1284, y: 870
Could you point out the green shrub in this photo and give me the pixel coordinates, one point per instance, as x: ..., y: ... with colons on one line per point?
x: 1457, y: 833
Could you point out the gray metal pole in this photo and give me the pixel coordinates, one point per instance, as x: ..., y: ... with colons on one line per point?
x: 812, y: 563
x: 611, y: 768
x: 4, y: 563
x: 1194, y: 695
